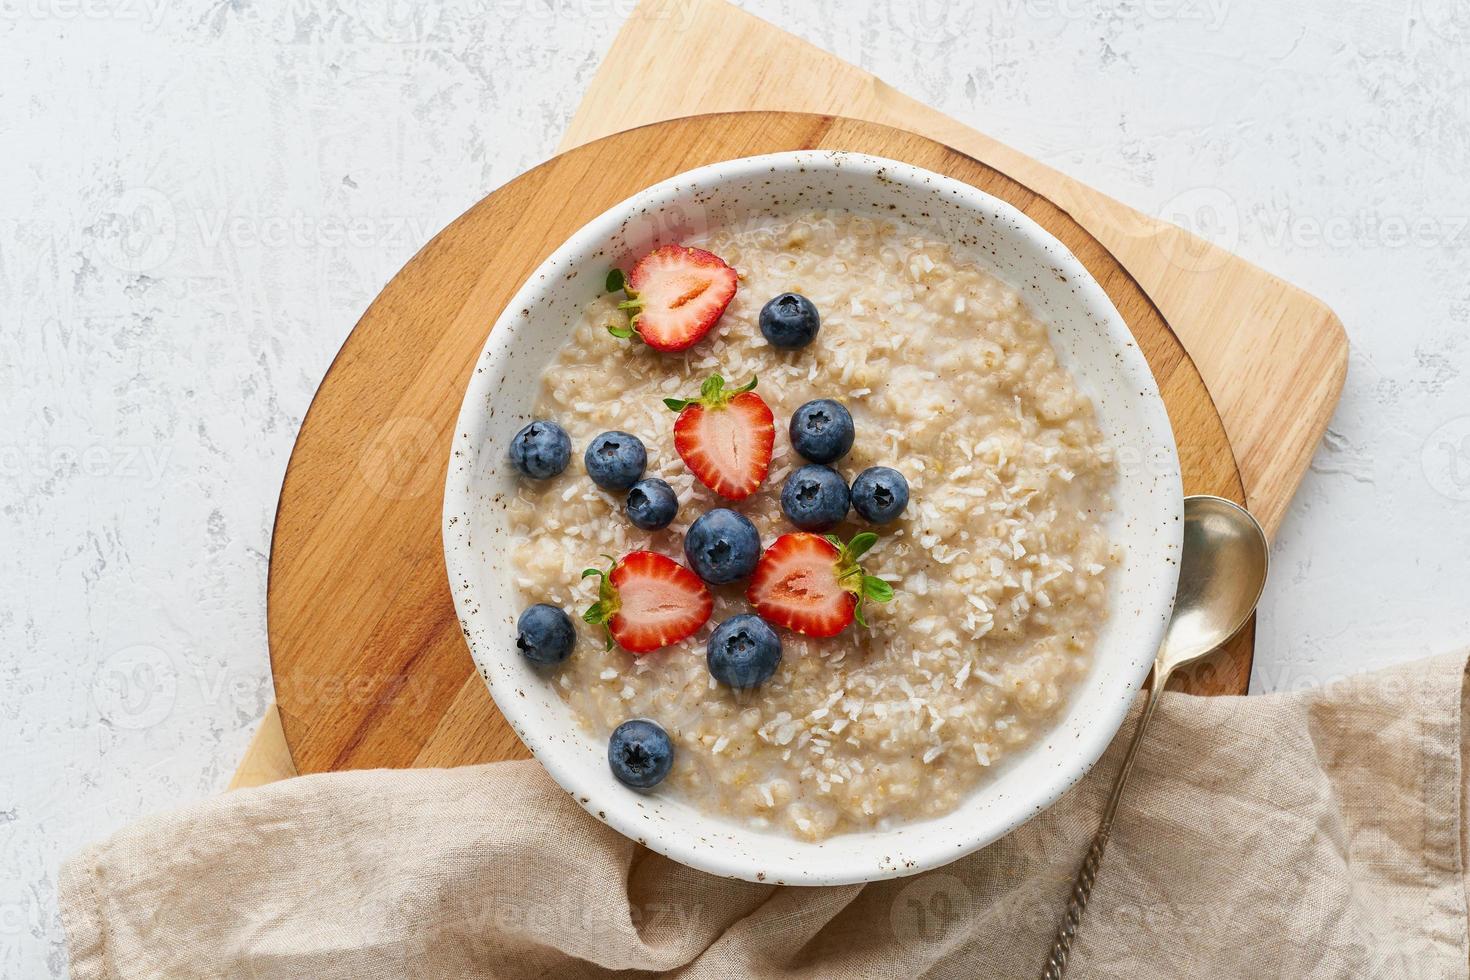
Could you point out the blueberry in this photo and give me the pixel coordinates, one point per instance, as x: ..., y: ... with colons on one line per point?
x: 615, y: 460
x: 814, y: 498
x: 640, y: 753
x: 743, y: 651
x: 545, y: 635
x: 880, y: 494
x: 541, y: 450
x: 651, y: 504
x: 722, y: 546
x: 790, y: 321
x: 822, y: 431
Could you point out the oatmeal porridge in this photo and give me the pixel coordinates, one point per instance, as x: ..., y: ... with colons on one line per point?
x: 998, y: 564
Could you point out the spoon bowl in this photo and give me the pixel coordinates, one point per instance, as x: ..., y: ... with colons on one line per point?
x: 1221, y: 576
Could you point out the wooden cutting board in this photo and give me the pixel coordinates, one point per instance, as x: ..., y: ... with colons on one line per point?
x: 1272, y: 357
x: 369, y: 663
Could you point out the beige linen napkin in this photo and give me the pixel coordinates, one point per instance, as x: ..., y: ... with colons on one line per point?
x: 1303, y: 835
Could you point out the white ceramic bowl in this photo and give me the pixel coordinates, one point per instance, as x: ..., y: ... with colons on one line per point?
x: 1091, y: 339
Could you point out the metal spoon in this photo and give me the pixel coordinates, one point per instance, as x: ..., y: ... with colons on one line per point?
x: 1221, y: 574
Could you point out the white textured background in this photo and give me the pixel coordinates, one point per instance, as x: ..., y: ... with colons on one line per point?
x: 199, y: 197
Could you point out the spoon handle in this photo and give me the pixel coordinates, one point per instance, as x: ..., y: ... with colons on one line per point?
x: 1061, y: 945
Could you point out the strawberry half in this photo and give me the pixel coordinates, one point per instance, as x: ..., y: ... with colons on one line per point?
x: 647, y: 601
x: 725, y: 437
x: 813, y: 584
x: 676, y: 294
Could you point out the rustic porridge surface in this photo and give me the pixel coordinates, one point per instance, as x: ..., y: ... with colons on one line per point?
x: 1000, y: 561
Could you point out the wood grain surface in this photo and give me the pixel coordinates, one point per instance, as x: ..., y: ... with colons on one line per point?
x: 369, y: 664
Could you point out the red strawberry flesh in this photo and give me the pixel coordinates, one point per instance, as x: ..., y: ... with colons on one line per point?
x: 728, y: 448
x: 678, y: 294
x: 655, y: 602
x: 796, y: 585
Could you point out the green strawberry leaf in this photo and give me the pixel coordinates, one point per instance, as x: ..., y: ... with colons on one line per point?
x: 876, y: 589
x: 619, y: 331
x: 615, y: 280
x: 713, y: 395
x: 854, y: 578
x: 711, y: 389
x: 607, y: 604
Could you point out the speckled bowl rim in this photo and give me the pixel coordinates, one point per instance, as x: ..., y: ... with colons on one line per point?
x: 888, y: 854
